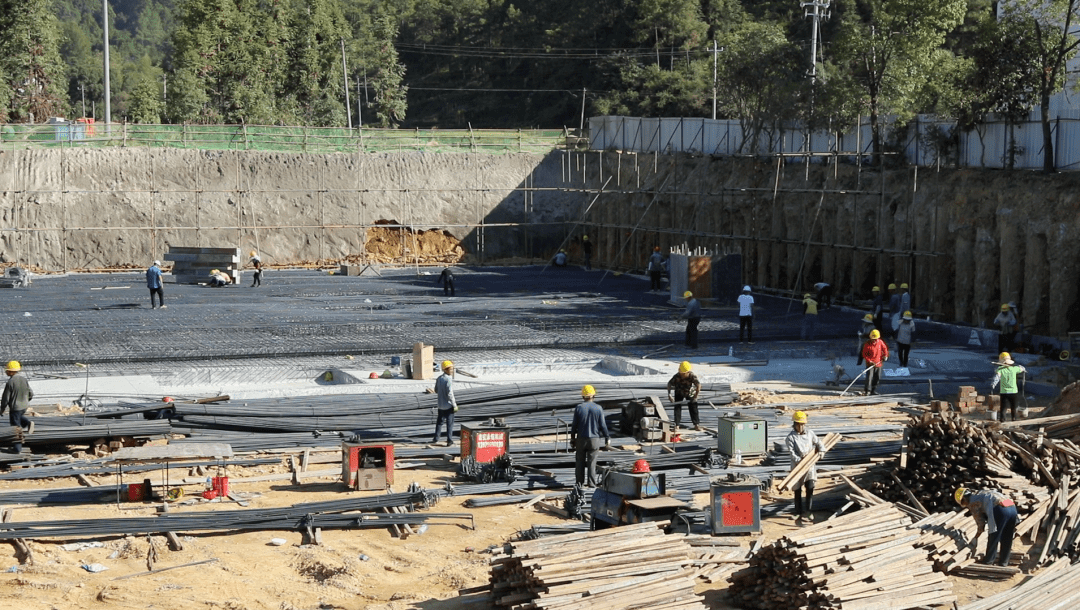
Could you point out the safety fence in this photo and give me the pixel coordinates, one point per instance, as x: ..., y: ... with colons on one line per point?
x: 925, y: 141
x: 85, y: 133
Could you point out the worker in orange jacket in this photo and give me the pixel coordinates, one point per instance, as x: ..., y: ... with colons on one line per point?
x: 875, y: 353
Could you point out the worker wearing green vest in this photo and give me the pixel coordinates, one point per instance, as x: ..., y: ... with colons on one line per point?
x: 1006, y: 373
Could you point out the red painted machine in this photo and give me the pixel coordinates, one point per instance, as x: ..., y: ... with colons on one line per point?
x: 736, y: 506
x: 365, y: 466
x: 485, y: 454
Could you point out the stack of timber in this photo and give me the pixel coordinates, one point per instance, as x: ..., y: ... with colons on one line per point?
x: 1058, y: 518
x: 1054, y: 587
x: 943, y: 451
x: 717, y: 557
x: 193, y: 265
x: 633, y: 566
x: 861, y: 561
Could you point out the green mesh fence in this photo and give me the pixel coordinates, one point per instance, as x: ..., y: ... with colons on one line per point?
x: 280, y: 139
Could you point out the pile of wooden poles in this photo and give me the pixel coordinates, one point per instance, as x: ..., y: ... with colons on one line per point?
x: 1056, y: 587
x: 633, y: 566
x: 861, y: 561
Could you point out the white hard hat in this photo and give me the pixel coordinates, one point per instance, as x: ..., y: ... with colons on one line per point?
x: 157, y: 263
x: 746, y: 288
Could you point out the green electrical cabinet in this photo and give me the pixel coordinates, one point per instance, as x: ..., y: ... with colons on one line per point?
x: 743, y: 433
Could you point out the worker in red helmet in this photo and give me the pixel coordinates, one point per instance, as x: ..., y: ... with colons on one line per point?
x: 641, y: 467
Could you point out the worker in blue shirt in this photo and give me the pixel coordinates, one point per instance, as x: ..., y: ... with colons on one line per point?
x: 153, y: 282
x: 585, y: 433
x: 692, y: 315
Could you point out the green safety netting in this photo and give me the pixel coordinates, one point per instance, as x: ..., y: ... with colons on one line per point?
x: 278, y: 139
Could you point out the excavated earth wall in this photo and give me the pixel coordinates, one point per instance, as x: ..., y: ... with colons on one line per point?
x: 966, y: 240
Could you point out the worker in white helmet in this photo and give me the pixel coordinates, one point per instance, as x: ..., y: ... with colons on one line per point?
x: 154, y: 283
x: 746, y: 315
x: 444, y: 389
x: 256, y: 262
x: 800, y: 442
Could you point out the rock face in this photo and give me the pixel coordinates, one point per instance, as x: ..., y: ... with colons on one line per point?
x: 104, y: 208
x: 966, y: 240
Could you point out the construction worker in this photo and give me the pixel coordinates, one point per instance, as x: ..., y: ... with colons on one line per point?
x: 864, y: 335
x: 446, y: 278
x: 746, y: 315
x: 586, y: 251
x: 219, y: 278
x: 256, y: 262
x: 17, y: 396
x: 893, y: 309
x: 904, y: 333
x: 875, y: 353
x: 993, y: 511
x: 560, y: 259
x: 801, y: 441
x: 685, y: 386
x: 824, y: 294
x: 809, y: 321
x: 1006, y: 323
x: 905, y: 298
x: 655, y: 269
x: 586, y: 431
x: 878, y: 306
x: 154, y: 283
x: 444, y: 389
x: 692, y: 315
x: 1006, y: 373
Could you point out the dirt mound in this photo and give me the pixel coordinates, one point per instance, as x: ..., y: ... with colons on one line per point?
x: 390, y: 244
x: 1068, y: 403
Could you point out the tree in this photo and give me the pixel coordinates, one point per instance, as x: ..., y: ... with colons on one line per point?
x: 30, y: 64
x: 314, y: 82
x: 889, y: 48
x: 1050, y: 23
x: 389, y: 76
x: 145, y: 104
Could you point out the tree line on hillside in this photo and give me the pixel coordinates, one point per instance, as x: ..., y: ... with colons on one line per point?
x: 542, y: 63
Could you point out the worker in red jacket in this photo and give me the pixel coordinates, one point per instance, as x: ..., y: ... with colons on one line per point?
x: 875, y: 353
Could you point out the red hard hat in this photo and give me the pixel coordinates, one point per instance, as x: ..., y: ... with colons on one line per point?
x: 641, y: 466
x: 167, y: 399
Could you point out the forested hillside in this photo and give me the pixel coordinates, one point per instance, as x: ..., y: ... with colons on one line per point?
x: 541, y: 63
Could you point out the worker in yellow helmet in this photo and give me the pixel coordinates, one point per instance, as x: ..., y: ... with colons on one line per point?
x: 905, y: 333
x: 995, y: 512
x: 810, y: 313
x: 17, y: 396
x: 692, y: 315
x: 444, y: 389
x: 560, y: 258
x: 219, y: 278
x: 685, y: 386
x: 864, y: 335
x: 801, y: 442
x: 894, y: 309
x: 875, y: 352
x: 586, y: 431
x: 256, y: 262
x: 1006, y: 323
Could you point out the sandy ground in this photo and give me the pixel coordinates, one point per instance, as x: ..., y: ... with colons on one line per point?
x: 248, y: 573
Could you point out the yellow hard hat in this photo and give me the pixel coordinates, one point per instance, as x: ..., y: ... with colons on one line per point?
x: 584, y: 238
x: 799, y: 417
x: 14, y: 366
x: 685, y: 367
x: 447, y: 364
x: 892, y: 286
x: 868, y: 317
x: 687, y: 294
x: 1004, y: 307
x: 904, y: 286
x: 959, y: 494
x: 213, y: 271
x: 907, y: 315
x: 252, y: 253
x: 875, y: 334
x: 1002, y: 357
x: 876, y: 289
x: 806, y: 296
x: 588, y: 391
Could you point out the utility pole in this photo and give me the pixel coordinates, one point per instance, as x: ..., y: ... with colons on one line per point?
x: 345, y: 76
x: 714, y: 53
x: 165, y: 87
x: 108, y: 91
x: 82, y: 89
x: 817, y: 10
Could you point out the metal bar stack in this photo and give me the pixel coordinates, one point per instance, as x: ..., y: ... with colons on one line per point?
x: 634, y: 566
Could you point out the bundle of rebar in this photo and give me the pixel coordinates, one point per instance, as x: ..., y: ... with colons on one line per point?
x: 633, y: 566
x: 859, y: 561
